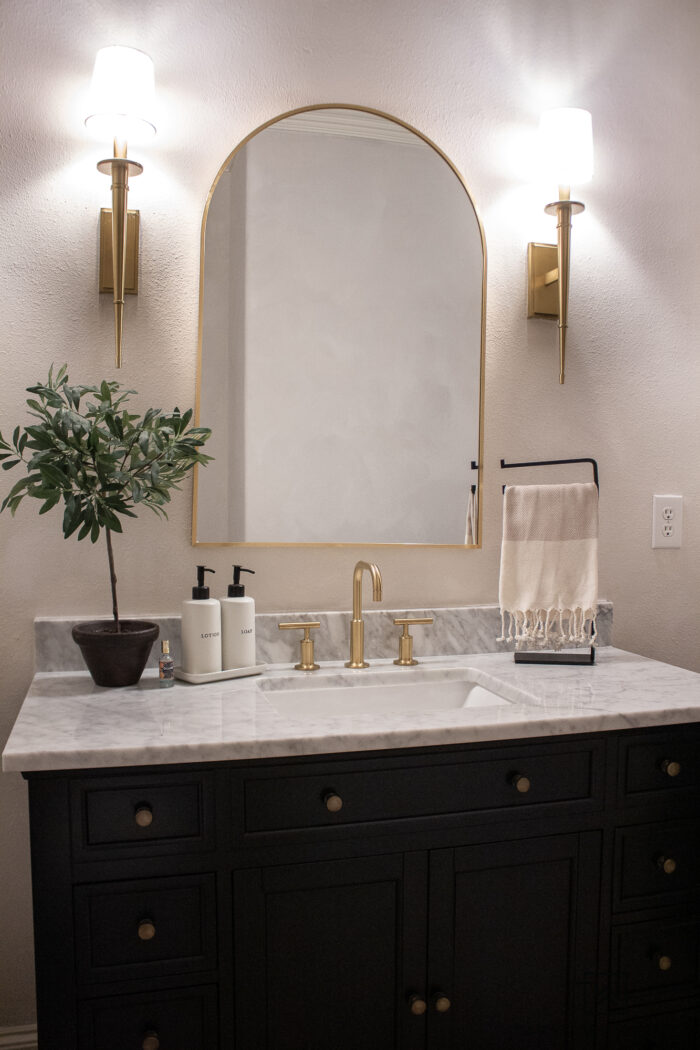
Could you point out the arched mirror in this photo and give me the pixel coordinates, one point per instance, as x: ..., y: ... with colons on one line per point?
x: 341, y: 338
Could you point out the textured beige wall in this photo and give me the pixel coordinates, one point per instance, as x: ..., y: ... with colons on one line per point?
x: 472, y: 75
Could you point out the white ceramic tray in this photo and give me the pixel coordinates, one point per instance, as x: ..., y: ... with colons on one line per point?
x: 219, y: 676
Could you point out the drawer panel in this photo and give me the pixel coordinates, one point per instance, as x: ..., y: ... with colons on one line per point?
x: 145, y: 927
x: 661, y: 764
x: 657, y: 864
x: 327, y: 798
x: 678, y: 1030
x: 655, y: 961
x: 142, y: 814
x: 181, y: 1019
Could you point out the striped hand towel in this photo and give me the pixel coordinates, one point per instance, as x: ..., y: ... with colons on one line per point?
x: 471, y: 531
x: 549, y: 564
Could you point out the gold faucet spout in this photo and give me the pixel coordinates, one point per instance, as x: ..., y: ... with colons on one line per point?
x: 357, y: 627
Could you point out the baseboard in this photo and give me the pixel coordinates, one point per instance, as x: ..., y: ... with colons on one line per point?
x: 21, y: 1037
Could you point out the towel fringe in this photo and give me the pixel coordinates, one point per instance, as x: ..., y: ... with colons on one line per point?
x: 549, y: 628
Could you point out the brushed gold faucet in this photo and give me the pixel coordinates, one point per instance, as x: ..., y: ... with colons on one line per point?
x: 357, y: 627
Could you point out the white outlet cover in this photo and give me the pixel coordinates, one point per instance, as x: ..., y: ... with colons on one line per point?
x: 667, y: 522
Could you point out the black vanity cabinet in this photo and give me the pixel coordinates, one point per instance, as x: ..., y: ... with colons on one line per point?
x: 538, y: 893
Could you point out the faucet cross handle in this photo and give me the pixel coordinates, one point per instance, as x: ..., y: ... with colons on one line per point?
x: 306, y: 661
x: 406, y: 639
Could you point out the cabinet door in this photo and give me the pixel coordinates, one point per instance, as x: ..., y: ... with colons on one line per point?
x: 328, y: 954
x: 513, y: 944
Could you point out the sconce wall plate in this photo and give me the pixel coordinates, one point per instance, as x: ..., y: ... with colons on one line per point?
x: 131, y: 277
x: 542, y: 281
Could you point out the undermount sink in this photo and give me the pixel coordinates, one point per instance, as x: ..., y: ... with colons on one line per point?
x: 351, y: 694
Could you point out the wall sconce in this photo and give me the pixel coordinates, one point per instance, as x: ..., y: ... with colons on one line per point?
x: 121, y: 106
x: 566, y: 142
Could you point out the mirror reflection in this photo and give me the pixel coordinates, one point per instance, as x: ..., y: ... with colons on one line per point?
x: 341, y: 336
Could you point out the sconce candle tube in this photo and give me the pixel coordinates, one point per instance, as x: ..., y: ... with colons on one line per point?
x: 563, y: 209
x: 119, y: 168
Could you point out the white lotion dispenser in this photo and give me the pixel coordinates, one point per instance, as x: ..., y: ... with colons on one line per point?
x: 237, y: 624
x: 201, y: 629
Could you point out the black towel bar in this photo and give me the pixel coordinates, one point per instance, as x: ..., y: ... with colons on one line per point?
x: 555, y: 462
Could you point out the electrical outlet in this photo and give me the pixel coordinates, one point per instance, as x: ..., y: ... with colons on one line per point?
x: 667, y: 521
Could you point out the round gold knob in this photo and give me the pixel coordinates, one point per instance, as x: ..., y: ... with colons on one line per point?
x: 521, y: 783
x: 151, y: 1041
x: 144, y: 816
x: 667, y: 864
x: 334, y: 803
x: 441, y: 1003
x: 663, y: 962
x: 417, y: 1005
x: 671, y: 768
x: 146, y: 930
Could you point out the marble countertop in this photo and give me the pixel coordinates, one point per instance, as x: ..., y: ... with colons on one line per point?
x: 66, y: 722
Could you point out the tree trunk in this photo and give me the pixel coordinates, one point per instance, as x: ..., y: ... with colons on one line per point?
x: 112, y: 580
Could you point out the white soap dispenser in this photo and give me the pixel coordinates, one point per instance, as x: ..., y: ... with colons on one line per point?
x: 237, y: 624
x: 201, y: 629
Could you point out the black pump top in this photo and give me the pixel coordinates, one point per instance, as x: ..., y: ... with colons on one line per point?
x: 200, y: 592
x: 236, y: 589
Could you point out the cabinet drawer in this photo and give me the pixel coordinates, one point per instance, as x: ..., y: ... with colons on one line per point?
x: 657, y: 864
x: 655, y: 961
x: 678, y: 1030
x: 146, y: 927
x: 142, y: 814
x: 527, y: 778
x: 661, y: 764
x: 181, y: 1019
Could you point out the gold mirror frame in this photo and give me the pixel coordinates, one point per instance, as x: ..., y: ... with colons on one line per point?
x: 456, y: 172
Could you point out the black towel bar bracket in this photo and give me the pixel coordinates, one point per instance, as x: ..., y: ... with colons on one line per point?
x: 534, y: 657
x: 474, y: 466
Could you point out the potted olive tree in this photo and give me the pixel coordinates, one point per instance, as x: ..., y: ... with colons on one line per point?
x: 87, y: 453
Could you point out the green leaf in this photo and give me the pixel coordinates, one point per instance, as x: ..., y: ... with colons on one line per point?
x: 72, y: 516
x: 111, y: 520
x: 53, y: 475
x: 51, y: 501
x: 10, y: 463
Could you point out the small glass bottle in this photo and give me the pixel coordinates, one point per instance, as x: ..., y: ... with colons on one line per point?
x: 166, y: 666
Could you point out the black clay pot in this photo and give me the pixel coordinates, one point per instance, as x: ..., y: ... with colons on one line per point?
x: 115, y: 658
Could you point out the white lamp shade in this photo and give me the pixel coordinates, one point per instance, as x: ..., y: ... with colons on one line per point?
x: 122, y: 94
x: 566, y: 145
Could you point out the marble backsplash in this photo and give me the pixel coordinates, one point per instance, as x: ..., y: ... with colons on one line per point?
x: 467, y: 629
